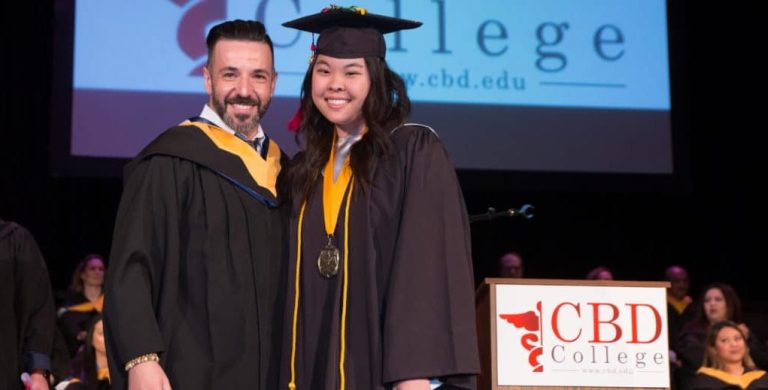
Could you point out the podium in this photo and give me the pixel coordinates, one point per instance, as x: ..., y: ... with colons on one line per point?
x: 572, y: 334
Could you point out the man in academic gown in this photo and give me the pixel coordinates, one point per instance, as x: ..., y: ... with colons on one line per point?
x: 27, y: 317
x: 679, y: 312
x: 679, y: 308
x: 193, y: 291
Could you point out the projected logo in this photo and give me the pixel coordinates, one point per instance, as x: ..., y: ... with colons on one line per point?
x: 193, y: 28
x: 580, y: 336
x: 543, y: 53
x: 197, y: 19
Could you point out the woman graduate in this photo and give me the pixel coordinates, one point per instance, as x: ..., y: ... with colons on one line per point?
x: 727, y: 364
x: 718, y: 302
x: 381, y: 292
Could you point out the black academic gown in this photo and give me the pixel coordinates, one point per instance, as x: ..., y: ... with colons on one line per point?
x: 410, y: 297
x: 195, y: 267
x: 27, y: 317
x: 73, y: 323
x: 718, y: 380
x: 691, y: 347
x: 675, y: 323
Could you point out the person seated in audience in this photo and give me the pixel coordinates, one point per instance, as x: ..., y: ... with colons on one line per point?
x: 679, y: 308
x: 600, y: 273
x: 82, y: 301
x: 679, y: 311
x: 727, y: 363
x: 719, y: 302
x: 510, y: 265
x: 89, y: 370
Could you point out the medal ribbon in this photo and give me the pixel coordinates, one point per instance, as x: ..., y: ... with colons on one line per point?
x: 333, y: 191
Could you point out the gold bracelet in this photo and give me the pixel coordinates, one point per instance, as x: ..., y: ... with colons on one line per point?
x: 150, y: 357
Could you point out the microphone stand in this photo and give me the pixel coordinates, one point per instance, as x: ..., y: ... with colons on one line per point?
x: 526, y: 211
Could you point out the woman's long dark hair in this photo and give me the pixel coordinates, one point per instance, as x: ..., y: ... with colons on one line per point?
x: 386, y: 107
x: 84, y: 365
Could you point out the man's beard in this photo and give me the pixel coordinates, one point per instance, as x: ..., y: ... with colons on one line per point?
x: 237, y: 123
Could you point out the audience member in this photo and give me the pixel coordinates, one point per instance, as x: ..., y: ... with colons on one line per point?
x: 718, y: 302
x: 727, y: 364
x: 679, y: 306
x: 87, y: 281
x: 82, y: 301
x: 510, y: 265
x: 600, y: 273
x: 679, y: 311
x: 89, y: 370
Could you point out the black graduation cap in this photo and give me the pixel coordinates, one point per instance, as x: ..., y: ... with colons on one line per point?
x: 350, y: 32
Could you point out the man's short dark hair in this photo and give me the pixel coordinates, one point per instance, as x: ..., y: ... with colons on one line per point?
x: 238, y: 30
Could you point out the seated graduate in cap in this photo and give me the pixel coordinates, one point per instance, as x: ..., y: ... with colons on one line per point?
x: 381, y: 284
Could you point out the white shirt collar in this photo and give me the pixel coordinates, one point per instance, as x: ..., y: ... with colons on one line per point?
x: 212, y: 116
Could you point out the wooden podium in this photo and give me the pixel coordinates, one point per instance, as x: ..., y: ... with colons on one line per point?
x: 616, y: 298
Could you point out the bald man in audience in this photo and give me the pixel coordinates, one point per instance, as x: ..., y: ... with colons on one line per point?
x: 679, y: 312
x: 511, y: 265
x: 678, y: 300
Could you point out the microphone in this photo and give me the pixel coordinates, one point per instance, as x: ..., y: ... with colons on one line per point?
x: 526, y: 211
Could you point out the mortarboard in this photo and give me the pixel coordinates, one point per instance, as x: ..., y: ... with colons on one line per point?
x: 350, y: 32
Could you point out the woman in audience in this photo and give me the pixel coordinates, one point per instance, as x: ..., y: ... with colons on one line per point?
x: 719, y: 302
x: 82, y: 301
x: 89, y: 370
x: 727, y: 364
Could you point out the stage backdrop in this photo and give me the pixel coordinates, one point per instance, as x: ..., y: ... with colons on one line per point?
x: 510, y: 85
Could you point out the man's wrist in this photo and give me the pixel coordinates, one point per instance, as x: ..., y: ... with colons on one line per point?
x: 150, y: 357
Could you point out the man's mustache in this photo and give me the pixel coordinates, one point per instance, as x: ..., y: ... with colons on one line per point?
x: 244, y: 100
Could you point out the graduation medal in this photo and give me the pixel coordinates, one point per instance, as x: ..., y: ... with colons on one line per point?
x: 333, y: 195
x: 328, y: 261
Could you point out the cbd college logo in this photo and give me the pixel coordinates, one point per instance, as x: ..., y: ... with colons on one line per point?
x: 529, y: 321
x: 586, y: 333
